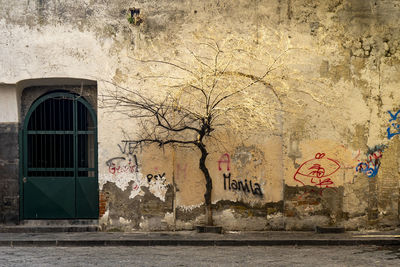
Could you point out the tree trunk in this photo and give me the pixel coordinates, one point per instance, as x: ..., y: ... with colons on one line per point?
x: 207, y: 195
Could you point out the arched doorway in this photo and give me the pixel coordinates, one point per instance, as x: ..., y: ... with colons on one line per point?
x: 59, y: 159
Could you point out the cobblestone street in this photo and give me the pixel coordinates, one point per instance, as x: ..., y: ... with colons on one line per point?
x: 200, y: 256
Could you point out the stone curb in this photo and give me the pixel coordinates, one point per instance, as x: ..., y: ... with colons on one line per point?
x: 194, y: 242
x: 49, y: 229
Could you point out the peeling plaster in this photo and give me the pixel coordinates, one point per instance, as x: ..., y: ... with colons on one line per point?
x: 191, y: 207
x: 136, y: 181
x: 124, y: 221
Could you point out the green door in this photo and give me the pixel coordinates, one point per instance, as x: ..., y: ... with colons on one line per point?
x: 59, y: 161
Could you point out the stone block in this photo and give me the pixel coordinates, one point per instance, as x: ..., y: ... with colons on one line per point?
x: 9, y: 142
x: 9, y: 171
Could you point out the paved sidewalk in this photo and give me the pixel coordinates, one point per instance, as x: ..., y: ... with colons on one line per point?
x: 192, y: 238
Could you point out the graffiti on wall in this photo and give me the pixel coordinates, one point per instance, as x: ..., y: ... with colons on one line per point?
x: 155, y: 177
x: 121, y: 165
x: 240, y: 185
x: 236, y: 185
x: 224, y: 160
x: 394, y: 128
x: 125, y: 171
x: 181, y: 171
x: 127, y: 147
x: 317, y: 172
x: 371, y: 165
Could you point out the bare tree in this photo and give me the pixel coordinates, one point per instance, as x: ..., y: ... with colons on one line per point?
x: 200, y: 94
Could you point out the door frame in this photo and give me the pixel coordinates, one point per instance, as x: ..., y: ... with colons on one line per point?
x: 23, y: 136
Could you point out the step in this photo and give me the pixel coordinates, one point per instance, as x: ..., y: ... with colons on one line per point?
x: 73, y: 222
x: 51, y: 226
x: 329, y: 230
x: 209, y: 229
x: 49, y: 229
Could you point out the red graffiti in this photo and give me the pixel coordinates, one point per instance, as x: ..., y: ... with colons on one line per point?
x: 326, y: 182
x: 130, y: 167
x: 224, y: 159
x: 181, y: 171
x: 358, y: 154
x: 374, y: 156
x: 317, y: 171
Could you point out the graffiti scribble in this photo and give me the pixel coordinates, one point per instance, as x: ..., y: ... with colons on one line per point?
x: 226, y: 160
x: 317, y: 171
x: 395, y: 126
x: 371, y: 166
x: 121, y: 165
x: 241, y: 186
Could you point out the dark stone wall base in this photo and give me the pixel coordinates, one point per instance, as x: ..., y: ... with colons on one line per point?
x: 9, y: 170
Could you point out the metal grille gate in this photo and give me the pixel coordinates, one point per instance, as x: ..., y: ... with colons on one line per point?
x: 60, y: 159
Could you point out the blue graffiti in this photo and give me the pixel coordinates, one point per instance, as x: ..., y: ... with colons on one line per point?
x: 396, y: 125
x: 371, y: 170
x: 371, y: 166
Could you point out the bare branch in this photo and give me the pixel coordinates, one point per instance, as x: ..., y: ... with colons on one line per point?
x: 166, y: 63
x: 161, y: 142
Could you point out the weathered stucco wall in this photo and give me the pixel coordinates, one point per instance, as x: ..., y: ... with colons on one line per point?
x: 323, y: 150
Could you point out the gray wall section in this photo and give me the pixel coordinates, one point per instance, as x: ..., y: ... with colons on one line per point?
x: 9, y: 186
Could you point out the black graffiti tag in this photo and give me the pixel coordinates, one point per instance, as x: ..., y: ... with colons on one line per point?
x: 155, y: 176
